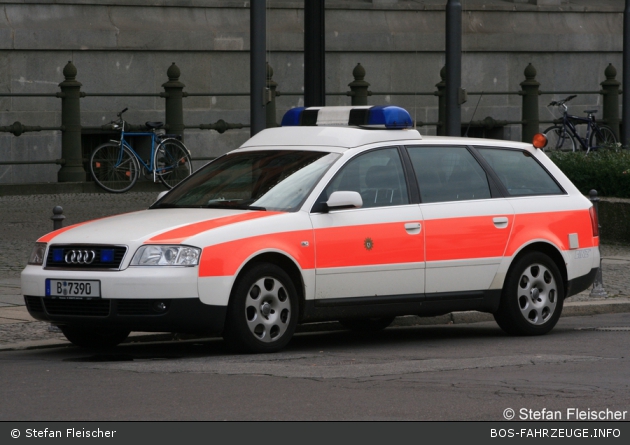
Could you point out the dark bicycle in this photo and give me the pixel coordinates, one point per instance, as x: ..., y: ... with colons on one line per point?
x: 115, y: 165
x: 564, y: 136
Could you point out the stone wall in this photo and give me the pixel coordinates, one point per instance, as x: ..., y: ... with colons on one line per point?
x: 126, y: 46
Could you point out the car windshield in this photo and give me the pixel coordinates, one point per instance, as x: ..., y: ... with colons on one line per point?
x: 253, y: 180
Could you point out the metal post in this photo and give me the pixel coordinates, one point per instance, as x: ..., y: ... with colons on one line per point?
x: 453, y: 67
x: 610, y: 91
x: 441, y: 86
x: 72, y: 170
x: 258, y: 96
x: 174, y: 104
x: 625, y: 137
x: 530, y: 93
x: 57, y: 217
x: 314, y: 54
x: 598, y: 285
x: 359, y: 87
x: 271, y: 105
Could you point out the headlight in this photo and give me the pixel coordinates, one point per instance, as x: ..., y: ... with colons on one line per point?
x: 166, y: 256
x: 37, y: 255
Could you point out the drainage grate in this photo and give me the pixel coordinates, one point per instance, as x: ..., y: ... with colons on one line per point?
x: 608, y: 329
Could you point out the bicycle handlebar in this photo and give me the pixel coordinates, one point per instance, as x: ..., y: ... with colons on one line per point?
x: 120, y: 114
x: 561, y: 102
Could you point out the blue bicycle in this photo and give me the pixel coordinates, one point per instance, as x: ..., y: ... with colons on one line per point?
x: 115, y: 165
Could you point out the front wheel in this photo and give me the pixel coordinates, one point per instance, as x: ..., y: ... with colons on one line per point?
x: 559, y: 139
x: 113, y: 169
x: 263, y: 309
x: 94, y: 338
x: 172, y: 162
x: 602, y: 137
x: 532, y: 298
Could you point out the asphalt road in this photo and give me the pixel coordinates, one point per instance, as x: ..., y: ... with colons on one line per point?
x: 456, y: 372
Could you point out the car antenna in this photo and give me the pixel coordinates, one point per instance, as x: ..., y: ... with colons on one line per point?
x: 473, y: 115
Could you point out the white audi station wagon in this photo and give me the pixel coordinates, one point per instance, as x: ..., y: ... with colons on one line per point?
x: 342, y: 213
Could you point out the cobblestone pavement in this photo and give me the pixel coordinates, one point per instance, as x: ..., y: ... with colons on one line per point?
x: 26, y: 218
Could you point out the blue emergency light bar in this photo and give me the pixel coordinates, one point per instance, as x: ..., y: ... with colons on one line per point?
x: 389, y: 117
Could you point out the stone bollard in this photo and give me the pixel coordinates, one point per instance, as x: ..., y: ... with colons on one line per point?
x: 359, y: 87
x: 598, y: 290
x: 530, y: 92
x: 57, y: 217
x: 174, y: 106
x: 610, y: 91
x: 72, y: 169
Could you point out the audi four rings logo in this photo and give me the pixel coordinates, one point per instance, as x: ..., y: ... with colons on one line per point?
x: 80, y: 257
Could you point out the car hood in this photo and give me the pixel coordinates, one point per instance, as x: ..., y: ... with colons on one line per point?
x: 153, y: 226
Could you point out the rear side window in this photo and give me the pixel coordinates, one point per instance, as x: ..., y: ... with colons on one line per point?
x: 448, y: 174
x: 520, y: 173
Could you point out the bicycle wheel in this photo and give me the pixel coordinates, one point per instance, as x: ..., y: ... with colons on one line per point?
x: 602, y: 136
x: 558, y: 139
x: 172, y: 162
x: 114, y: 169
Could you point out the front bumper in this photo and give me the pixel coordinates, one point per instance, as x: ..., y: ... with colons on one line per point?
x: 186, y: 315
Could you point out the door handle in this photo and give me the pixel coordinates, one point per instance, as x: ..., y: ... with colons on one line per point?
x: 413, y: 228
x: 500, y: 222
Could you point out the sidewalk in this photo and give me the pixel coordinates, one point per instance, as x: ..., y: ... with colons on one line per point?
x: 26, y: 218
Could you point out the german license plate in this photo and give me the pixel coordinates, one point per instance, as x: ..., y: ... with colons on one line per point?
x: 73, y: 288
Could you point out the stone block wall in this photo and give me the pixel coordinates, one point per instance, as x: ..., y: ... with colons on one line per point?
x: 126, y: 46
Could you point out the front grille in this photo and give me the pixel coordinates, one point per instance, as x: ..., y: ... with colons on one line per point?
x: 34, y: 304
x: 141, y: 307
x: 99, y: 256
x: 89, y: 308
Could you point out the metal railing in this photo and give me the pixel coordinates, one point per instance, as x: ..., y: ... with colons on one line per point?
x: 72, y: 162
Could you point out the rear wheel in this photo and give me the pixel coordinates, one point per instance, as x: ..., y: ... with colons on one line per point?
x: 532, y: 298
x: 558, y: 139
x: 602, y: 138
x: 372, y: 324
x: 94, y: 338
x: 262, y: 314
x: 113, y: 169
x: 172, y: 162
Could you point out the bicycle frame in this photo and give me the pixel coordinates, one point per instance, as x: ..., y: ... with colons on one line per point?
x: 568, y: 123
x: 123, y: 143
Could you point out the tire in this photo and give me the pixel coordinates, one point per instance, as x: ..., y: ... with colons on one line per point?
x: 558, y: 139
x: 532, y: 297
x: 94, y: 338
x: 113, y: 171
x: 263, y: 310
x: 374, y: 324
x: 605, y: 137
x: 172, y: 162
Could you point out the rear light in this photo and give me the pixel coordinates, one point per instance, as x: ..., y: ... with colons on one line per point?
x: 594, y: 221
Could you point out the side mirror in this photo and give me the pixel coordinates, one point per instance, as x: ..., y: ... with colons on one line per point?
x: 344, y: 200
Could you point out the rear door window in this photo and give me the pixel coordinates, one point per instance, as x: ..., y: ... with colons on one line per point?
x: 520, y: 172
x: 448, y: 174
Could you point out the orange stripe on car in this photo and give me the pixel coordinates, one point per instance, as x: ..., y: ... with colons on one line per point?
x: 366, y: 245
x: 226, y: 258
x: 49, y: 236
x: 556, y: 228
x: 179, y: 235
